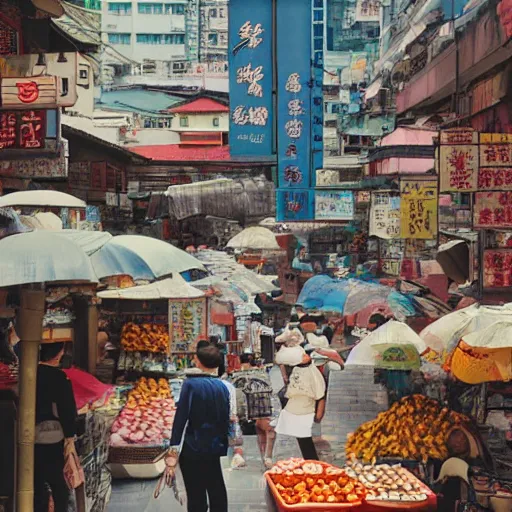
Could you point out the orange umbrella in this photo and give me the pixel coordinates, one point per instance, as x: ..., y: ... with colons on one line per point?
x: 484, y: 356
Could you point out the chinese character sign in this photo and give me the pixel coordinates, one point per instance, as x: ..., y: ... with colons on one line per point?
x: 495, y: 155
x: 492, y: 210
x: 458, y: 168
x: 22, y: 130
x: 497, y: 268
x: 295, y: 205
x: 385, y: 215
x: 187, y: 323
x: 250, y: 78
x: 418, y: 209
x: 334, y: 205
x: 294, y: 55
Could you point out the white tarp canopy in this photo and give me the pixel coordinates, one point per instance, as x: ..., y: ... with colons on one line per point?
x: 256, y: 237
x: 40, y: 257
x: 391, y: 333
x: 171, y: 288
x: 496, y: 335
x: 41, y: 198
x: 445, y: 333
x: 43, y: 220
x: 89, y: 241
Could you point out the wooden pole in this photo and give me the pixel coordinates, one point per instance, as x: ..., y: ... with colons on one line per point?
x: 92, y: 337
x: 30, y: 329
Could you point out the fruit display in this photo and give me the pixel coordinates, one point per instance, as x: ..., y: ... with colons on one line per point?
x: 413, y: 428
x: 147, y: 417
x: 145, y: 338
x: 298, y: 481
x: 387, y: 483
x: 146, y: 363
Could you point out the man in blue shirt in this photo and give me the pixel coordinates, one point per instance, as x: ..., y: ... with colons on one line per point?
x: 202, y: 422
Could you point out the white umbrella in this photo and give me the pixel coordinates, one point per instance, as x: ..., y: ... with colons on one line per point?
x: 42, y: 256
x: 89, y: 241
x: 161, y: 257
x: 392, y: 333
x: 171, y: 288
x: 41, y: 198
x: 257, y: 237
x: 444, y: 334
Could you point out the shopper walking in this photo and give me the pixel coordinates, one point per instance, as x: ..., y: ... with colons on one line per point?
x: 264, y: 429
x: 306, y: 405
x: 55, y: 429
x: 202, y: 423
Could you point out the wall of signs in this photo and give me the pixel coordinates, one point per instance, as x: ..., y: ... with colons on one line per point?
x: 335, y: 205
x: 418, y: 209
x: 250, y: 78
x: 187, y: 323
x: 469, y: 161
x: 385, y: 215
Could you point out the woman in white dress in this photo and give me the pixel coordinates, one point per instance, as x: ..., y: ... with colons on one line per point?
x: 306, y: 405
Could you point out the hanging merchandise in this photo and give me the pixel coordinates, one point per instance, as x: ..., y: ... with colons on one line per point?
x: 187, y: 323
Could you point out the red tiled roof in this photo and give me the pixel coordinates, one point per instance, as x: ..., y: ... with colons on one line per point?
x: 199, y: 106
x: 177, y: 153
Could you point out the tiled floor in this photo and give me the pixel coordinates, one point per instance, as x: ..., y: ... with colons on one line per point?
x: 345, y: 410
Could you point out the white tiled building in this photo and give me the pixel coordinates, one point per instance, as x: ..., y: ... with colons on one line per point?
x: 148, y: 32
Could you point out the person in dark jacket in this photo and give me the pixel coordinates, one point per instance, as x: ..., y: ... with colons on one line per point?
x: 202, y: 423
x: 55, y: 429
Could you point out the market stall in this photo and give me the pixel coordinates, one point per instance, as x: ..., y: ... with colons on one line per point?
x: 157, y: 327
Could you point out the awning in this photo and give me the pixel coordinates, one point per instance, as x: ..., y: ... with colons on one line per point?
x: 52, y: 7
x: 373, y: 89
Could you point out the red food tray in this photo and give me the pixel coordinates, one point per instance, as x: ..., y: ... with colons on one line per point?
x: 282, y: 506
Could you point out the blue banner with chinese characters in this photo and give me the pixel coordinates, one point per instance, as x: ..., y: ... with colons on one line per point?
x: 295, y: 205
x: 294, y: 57
x: 250, y: 78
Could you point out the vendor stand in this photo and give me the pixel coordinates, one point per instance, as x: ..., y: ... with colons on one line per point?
x: 158, y: 326
x: 27, y: 259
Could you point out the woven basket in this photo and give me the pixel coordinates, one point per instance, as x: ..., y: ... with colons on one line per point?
x: 135, y: 454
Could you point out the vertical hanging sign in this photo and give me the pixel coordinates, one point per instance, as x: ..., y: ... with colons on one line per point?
x: 295, y: 105
x: 250, y: 78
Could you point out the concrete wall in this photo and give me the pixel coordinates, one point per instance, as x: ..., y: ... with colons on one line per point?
x: 201, y: 122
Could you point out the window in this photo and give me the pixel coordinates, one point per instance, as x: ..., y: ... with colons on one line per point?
x: 222, y: 13
x: 213, y: 39
x: 213, y: 13
x: 161, y: 38
x: 151, y: 8
x: 178, y: 9
x: 216, y: 122
x: 184, y: 122
x: 120, y: 9
x: 119, y: 38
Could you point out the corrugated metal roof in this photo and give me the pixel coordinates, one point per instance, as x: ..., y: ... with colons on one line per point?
x: 175, y: 152
x: 137, y: 100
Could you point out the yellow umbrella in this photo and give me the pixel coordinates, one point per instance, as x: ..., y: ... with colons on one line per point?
x: 484, y: 356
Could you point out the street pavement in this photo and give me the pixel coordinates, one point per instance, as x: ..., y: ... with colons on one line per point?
x: 352, y: 399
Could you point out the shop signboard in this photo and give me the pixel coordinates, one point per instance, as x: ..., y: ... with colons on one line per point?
x: 458, y: 168
x: 22, y: 130
x: 385, y: 215
x: 187, y: 324
x: 294, y: 98
x: 28, y: 84
x: 496, y: 268
x: 295, y: 205
x: 418, y: 209
x: 251, y: 78
x: 368, y: 10
x: 338, y: 205
x: 492, y: 210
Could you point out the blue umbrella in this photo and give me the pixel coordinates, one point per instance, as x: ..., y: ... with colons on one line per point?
x: 115, y: 260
